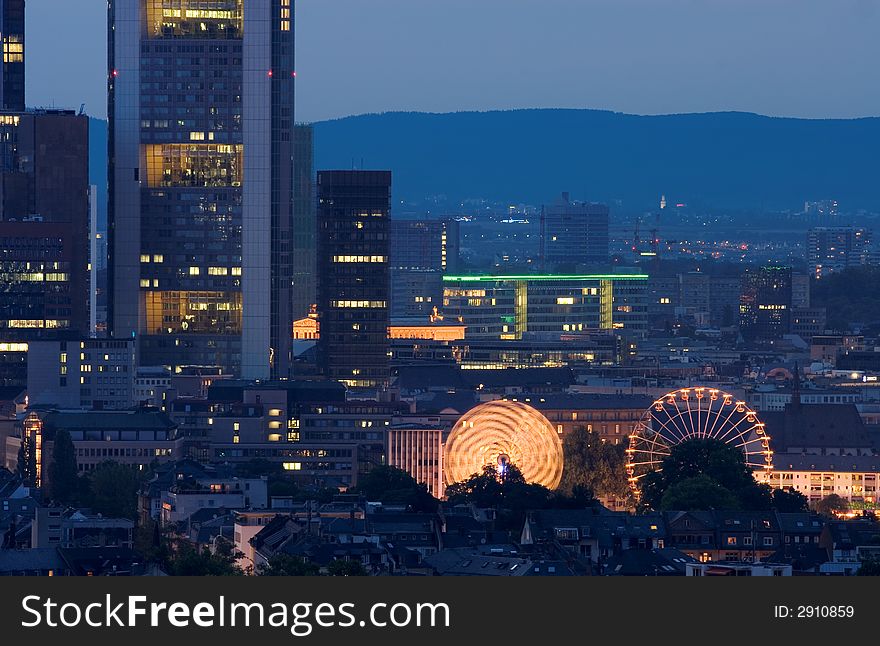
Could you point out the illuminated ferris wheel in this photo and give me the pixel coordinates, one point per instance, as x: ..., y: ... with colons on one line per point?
x: 695, y: 413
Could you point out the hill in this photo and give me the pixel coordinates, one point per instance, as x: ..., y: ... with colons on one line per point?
x: 726, y: 159
x: 723, y: 159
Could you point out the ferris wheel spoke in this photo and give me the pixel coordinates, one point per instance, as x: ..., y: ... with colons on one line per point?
x: 733, y: 428
x: 675, y: 422
x: 708, y: 416
x: 664, y: 425
x: 679, y: 412
x: 726, y: 421
x: 743, y: 433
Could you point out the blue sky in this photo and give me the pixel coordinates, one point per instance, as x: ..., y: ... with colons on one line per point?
x: 807, y: 58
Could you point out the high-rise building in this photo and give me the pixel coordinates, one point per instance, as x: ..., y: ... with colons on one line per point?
x: 353, y: 279
x: 765, y: 303
x: 304, y: 223
x: 44, y: 224
x: 831, y: 249
x: 420, y: 252
x: 12, y: 35
x: 573, y: 233
x: 201, y: 208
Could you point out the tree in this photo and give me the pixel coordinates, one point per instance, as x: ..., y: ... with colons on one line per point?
x: 27, y: 462
x: 340, y: 567
x: 150, y: 542
x: 869, y: 567
x: 830, y: 504
x: 113, y: 490
x: 579, y: 498
x: 594, y: 465
x: 491, y: 489
x: 756, y: 497
x: 391, y: 485
x: 723, y: 463
x: 63, y: 475
x: 191, y: 561
x: 287, y: 565
x: 700, y: 493
x: 789, y: 501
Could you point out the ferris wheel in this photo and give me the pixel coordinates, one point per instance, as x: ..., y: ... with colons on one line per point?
x: 695, y: 413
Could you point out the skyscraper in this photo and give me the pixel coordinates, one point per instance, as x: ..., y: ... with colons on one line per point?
x: 420, y: 252
x: 765, y: 303
x: 201, y: 213
x: 353, y: 280
x: 304, y: 226
x: 12, y: 34
x: 44, y: 224
x: 573, y: 233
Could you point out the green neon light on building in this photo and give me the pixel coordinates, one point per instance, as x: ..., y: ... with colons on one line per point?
x: 581, y: 277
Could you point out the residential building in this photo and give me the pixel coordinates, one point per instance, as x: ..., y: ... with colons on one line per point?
x: 73, y: 528
x: 833, y: 249
x: 855, y: 478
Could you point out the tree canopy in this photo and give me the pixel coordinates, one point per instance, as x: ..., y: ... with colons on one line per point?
x: 63, y: 474
x: 702, y: 474
x: 594, y: 465
x: 391, y: 485
x: 113, y: 489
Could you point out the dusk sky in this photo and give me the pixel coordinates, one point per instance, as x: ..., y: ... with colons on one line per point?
x: 807, y: 58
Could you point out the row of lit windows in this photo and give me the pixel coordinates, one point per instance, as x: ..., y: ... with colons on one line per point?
x: 360, y: 258
x: 49, y: 324
x: 359, y: 304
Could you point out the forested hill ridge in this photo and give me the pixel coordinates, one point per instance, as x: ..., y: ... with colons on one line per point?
x: 725, y: 159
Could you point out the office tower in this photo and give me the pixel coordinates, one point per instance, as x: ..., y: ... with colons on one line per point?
x: 420, y: 252
x: 201, y: 98
x: 573, y: 233
x: 304, y: 224
x: 547, y: 307
x: 800, y: 290
x: 831, y: 249
x: 765, y: 303
x: 12, y: 34
x: 44, y: 225
x: 353, y: 280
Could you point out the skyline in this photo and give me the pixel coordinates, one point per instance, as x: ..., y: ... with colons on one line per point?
x: 796, y: 51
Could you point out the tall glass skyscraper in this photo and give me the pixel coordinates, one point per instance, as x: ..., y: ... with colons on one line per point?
x: 12, y: 35
x: 353, y: 288
x: 201, y: 106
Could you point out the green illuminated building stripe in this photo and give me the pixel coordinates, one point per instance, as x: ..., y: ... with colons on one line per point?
x: 584, y: 277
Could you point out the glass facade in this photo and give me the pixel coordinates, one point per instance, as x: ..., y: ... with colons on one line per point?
x: 546, y: 306
x: 201, y: 109
x: 44, y: 220
x: 353, y: 290
x: 12, y: 36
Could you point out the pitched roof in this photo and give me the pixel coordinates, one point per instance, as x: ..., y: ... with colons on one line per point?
x: 645, y: 562
x: 816, y: 426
